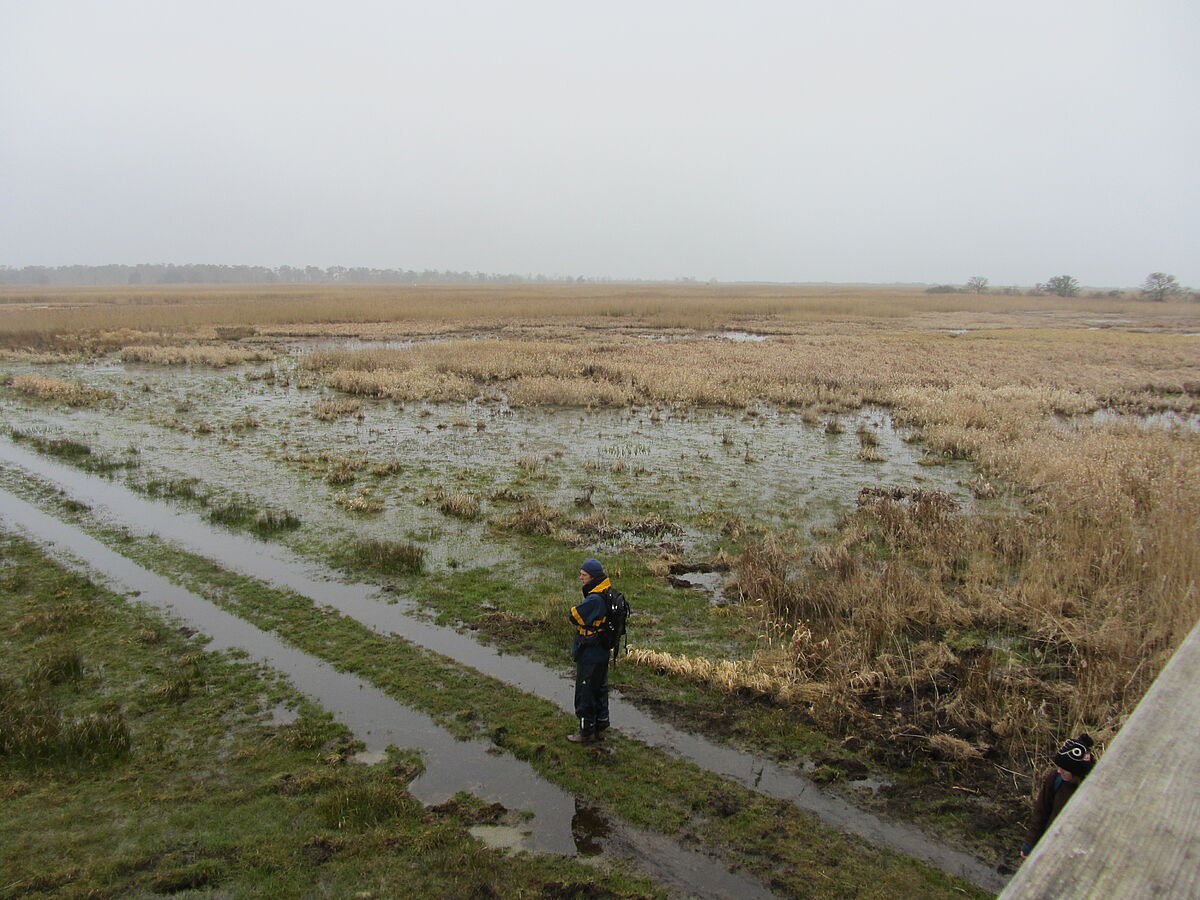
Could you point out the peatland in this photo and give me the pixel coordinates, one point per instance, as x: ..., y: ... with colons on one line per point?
x: 1009, y: 550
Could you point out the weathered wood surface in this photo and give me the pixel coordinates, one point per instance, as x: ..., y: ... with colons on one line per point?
x: 1132, y: 830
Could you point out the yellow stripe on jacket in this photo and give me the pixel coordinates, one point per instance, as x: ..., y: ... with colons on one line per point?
x: 597, y: 625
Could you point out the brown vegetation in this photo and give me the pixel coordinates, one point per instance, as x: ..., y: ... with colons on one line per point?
x: 193, y: 355
x: 967, y: 637
x: 942, y: 632
x: 72, y: 393
x: 40, y: 318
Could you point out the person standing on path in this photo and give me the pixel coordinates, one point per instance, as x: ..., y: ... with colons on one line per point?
x: 591, y: 654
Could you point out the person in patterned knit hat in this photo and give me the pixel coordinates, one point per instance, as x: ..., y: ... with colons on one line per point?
x: 1072, y: 763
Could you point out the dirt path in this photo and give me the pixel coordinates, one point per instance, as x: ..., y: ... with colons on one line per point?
x: 274, y: 564
x: 559, y: 825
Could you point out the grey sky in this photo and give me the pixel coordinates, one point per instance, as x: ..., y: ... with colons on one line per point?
x: 927, y: 140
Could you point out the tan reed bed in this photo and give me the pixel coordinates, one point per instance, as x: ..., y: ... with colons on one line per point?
x: 932, y: 630
x: 41, y: 318
x: 73, y: 393
x: 947, y: 634
x: 194, y: 355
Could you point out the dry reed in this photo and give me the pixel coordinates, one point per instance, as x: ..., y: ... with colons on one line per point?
x: 193, y: 355
x: 72, y: 393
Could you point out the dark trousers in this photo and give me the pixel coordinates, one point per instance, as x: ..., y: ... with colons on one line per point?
x: 591, y: 695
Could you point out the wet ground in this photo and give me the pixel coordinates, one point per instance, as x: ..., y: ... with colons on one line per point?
x: 695, y: 468
x: 249, y: 432
x: 560, y: 823
x: 116, y: 504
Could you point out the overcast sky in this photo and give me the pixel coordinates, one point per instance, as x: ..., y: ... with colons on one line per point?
x: 869, y: 141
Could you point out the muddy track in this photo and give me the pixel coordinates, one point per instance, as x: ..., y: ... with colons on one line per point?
x: 272, y: 563
x: 561, y: 824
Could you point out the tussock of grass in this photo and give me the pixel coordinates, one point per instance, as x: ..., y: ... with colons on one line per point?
x: 388, y: 557
x: 342, y: 470
x: 530, y: 464
x: 245, y: 422
x: 72, y: 393
x: 364, y: 805
x: 361, y: 502
x: 34, y: 730
x: 508, y: 495
x: 176, y: 488
x: 461, y: 504
x: 530, y: 517
x: 55, y: 665
x: 335, y: 408
x: 244, y: 515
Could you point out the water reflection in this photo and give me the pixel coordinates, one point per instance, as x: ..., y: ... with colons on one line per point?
x: 379, y: 721
x: 589, y: 829
x: 276, y: 565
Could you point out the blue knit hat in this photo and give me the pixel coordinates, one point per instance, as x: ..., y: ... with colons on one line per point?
x: 593, y: 568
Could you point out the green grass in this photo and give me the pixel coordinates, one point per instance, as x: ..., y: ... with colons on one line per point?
x: 74, y: 452
x: 246, y: 516
x: 383, y: 557
x: 205, y: 794
x: 521, y: 608
x: 641, y: 785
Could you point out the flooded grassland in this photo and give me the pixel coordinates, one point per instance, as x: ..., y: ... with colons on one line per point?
x: 904, y: 561
x: 138, y: 760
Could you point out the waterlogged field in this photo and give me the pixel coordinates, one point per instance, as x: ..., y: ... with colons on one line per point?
x: 931, y: 535
x: 445, y: 474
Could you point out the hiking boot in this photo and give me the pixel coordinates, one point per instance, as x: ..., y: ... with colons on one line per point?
x: 581, y: 738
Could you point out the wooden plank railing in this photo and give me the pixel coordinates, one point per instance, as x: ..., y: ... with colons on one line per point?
x: 1132, y: 830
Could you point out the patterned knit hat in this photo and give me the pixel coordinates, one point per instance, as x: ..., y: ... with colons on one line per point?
x: 1076, y: 756
x: 593, y: 568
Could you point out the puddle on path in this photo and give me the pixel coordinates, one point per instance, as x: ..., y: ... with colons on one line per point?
x: 379, y: 721
x: 268, y: 562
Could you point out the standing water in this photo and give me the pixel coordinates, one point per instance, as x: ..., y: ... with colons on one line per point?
x: 560, y: 824
x: 276, y: 565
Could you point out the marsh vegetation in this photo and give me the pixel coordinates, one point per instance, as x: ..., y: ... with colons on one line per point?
x: 950, y: 533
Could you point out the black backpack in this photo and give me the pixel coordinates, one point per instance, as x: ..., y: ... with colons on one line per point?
x: 614, y: 622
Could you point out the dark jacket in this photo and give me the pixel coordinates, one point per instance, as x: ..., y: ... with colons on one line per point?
x: 1052, y: 797
x: 589, y: 618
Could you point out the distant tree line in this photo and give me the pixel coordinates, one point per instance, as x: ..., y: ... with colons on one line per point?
x: 169, y: 273
x: 1158, y: 286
